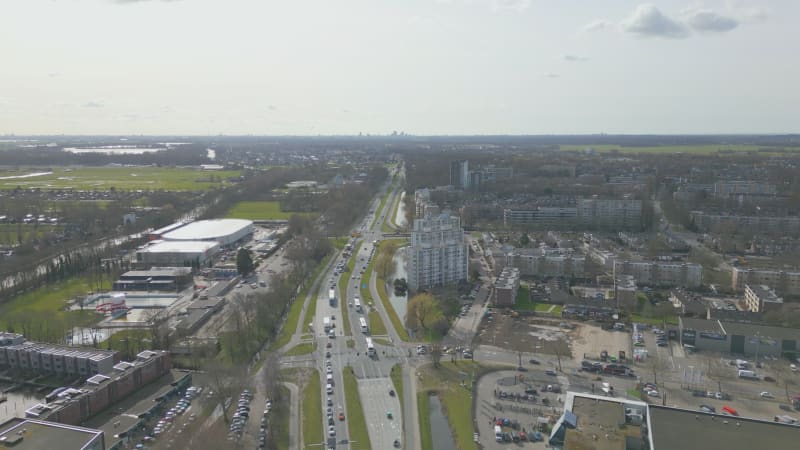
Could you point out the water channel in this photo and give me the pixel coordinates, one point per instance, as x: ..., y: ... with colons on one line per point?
x: 441, y: 441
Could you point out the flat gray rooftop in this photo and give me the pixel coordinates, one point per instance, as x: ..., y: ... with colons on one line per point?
x: 39, y: 435
x: 689, y: 430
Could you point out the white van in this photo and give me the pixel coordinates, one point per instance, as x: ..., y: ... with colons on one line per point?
x: 498, y: 433
x: 329, y: 379
x: 329, y: 389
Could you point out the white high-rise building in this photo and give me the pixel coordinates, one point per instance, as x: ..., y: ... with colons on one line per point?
x: 438, y: 254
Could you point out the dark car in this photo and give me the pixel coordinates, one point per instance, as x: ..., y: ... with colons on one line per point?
x: 534, y: 362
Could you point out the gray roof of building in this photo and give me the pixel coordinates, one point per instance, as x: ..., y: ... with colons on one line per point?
x: 673, y: 428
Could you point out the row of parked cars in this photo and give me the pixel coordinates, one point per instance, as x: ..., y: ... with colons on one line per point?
x: 166, y: 422
x: 241, y: 415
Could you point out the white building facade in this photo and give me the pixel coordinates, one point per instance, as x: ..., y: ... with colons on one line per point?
x: 438, y: 254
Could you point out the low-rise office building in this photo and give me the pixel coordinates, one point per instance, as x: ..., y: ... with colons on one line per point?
x: 537, y: 263
x: 170, y: 279
x: 618, y: 423
x: 738, y: 338
x: 33, y: 434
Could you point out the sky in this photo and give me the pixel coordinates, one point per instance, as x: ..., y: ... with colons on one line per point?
x: 424, y: 67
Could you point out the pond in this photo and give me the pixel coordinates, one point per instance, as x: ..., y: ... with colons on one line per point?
x: 441, y: 441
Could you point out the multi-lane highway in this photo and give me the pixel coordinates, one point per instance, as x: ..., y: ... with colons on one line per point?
x: 333, y: 354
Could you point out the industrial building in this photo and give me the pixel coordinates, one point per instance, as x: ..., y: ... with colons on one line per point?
x: 705, y: 222
x: 226, y: 232
x: 506, y: 287
x: 438, y: 254
x: 738, y: 338
x: 760, y: 298
x: 53, y: 359
x: 156, y: 279
x: 618, y: 423
x: 784, y: 282
x: 177, y: 253
x: 666, y: 274
x: 33, y: 434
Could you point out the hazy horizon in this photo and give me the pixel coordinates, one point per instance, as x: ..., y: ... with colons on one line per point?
x: 424, y: 67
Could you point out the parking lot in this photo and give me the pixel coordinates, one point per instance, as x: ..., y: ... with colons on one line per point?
x: 689, y: 380
x: 502, y: 396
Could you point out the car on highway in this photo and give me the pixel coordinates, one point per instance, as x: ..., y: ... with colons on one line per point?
x: 331, y: 431
x: 341, y: 416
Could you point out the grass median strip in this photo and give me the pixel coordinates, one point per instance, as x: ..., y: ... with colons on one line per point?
x: 356, y: 425
x: 376, y: 325
x: 390, y: 245
x: 312, y: 410
x: 301, y: 349
x: 397, y: 380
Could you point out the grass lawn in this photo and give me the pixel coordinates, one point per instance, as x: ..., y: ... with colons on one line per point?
x: 290, y: 327
x: 312, y: 411
x: 381, y: 341
x: 695, y: 149
x: 424, y: 413
x: 638, y: 318
x: 397, y: 380
x: 376, y: 325
x: 10, y: 233
x: 457, y: 400
x: 301, y: 349
x: 634, y: 393
x: 261, y: 211
x: 356, y: 423
x: 135, y: 340
x: 47, y: 304
x: 123, y: 178
x: 350, y: 343
x: 524, y: 303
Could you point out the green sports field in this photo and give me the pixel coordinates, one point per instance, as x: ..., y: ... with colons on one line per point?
x: 122, y: 178
x: 260, y: 211
x: 694, y: 149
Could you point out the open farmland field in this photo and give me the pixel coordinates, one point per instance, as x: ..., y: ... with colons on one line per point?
x: 693, y: 149
x: 260, y: 211
x: 122, y: 178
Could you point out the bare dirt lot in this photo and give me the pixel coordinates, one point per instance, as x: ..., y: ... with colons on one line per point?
x: 524, y: 334
x: 589, y: 340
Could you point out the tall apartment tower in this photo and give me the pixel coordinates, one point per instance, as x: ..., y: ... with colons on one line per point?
x: 459, y: 174
x: 438, y: 254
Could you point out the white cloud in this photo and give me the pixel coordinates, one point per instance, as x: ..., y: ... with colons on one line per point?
x: 647, y: 21
x: 93, y: 104
x: 516, y: 5
x: 575, y: 58
x: 706, y: 20
x: 597, y: 25
x: 748, y: 12
x: 551, y: 75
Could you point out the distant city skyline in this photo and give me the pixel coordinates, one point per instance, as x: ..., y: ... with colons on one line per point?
x: 425, y: 67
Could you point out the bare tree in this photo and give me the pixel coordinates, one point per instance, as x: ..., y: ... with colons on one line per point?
x: 436, y: 354
x: 224, y: 382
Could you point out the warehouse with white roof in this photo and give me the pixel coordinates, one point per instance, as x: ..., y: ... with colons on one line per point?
x: 177, y: 253
x: 224, y: 231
